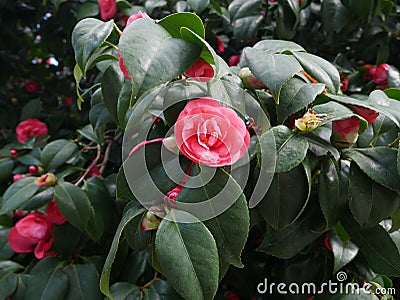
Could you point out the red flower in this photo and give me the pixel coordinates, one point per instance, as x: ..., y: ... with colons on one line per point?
x: 221, y: 47
x: 327, y: 243
x: 234, y: 60
x: 211, y: 134
x: 344, y: 81
x: 381, y: 74
x: 31, y: 86
x: 108, y: 8
x: 200, y: 70
x: 54, y: 214
x: 345, y: 131
x: 94, y: 171
x: 67, y: 101
x: 32, y: 233
x: 367, y: 114
x: 30, y: 127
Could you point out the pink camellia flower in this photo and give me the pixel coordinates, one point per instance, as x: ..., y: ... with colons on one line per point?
x: 234, y: 60
x: 201, y: 71
x: 211, y: 134
x: 345, y: 132
x: 221, y: 46
x: 30, y: 127
x: 31, y: 86
x: 249, y: 80
x: 54, y: 214
x: 367, y: 114
x: 122, y: 66
x: 108, y: 9
x: 32, y: 233
x: 381, y: 74
x: 137, y: 16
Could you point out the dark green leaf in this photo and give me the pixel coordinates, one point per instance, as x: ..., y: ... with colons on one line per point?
x: 188, y: 256
x: 32, y: 109
x: 87, y: 9
x: 111, y: 85
x: 376, y: 245
x: 83, y: 282
x: 18, y: 193
x: 343, y: 252
x: 5, y: 250
x: 320, y: 69
x: 160, y: 289
x: 74, y: 204
x: 137, y: 239
x: 291, y: 148
x: 38, y: 200
x: 8, y: 283
x: 378, y: 163
x: 6, y: 166
x: 152, y: 56
x: 66, y: 239
x: 131, y: 211
x: 385, y: 105
x: 173, y: 23
x: 277, y: 46
x: 57, y: 153
x: 87, y: 36
x: 272, y: 69
x: 198, y: 5
x: 124, y: 291
x: 48, y: 285
x: 296, y: 95
x: 125, y: 100
x: 369, y: 202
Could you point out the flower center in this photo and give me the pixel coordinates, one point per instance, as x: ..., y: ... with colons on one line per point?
x: 208, y: 133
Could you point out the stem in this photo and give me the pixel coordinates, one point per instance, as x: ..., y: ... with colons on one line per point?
x: 395, y: 141
x: 92, y: 164
x: 117, y: 29
x: 140, y: 145
x: 111, y: 45
x: 147, y: 285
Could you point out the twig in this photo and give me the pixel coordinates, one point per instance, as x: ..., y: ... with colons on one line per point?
x: 92, y: 164
x: 147, y: 285
x: 107, y: 152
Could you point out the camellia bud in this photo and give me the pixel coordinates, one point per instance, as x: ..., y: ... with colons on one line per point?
x: 149, y: 222
x: 17, y: 177
x: 34, y: 170
x: 13, y: 152
x: 309, y: 122
x: 47, y: 180
x: 249, y: 80
x: 345, y: 132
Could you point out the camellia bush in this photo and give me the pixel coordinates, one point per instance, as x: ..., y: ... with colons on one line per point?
x: 215, y: 150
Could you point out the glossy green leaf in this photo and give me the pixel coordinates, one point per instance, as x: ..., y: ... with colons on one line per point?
x: 124, y: 102
x: 99, y: 115
x: 330, y: 190
x: 174, y: 22
x: 87, y: 36
x: 383, y: 104
x: 334, y: 15
x: 137, y: 239
x: 87, y: 9
x: 287, y: 242
x: 74, y: 204
x: 198, y: 5
x: 152, y: 56
x: 111, y: 85
x: 5, y: 249
x: 83, y: 282
x: 320, y: 69
x: 57, y: 153
x: 277, y: 46
x: 66, y: 239
x: 18, y: 193
x: 376, y: 246
x: 47, y: 285
x: 38, y: 200
x: 291, y: 148
x: 188, y: 256
x: 378, y: 163
x: 230, y: 239
x: 369, y: 202
x: 6, y: 166
x: 125, y: 291
x: 295, y: 96
x: 286, y: 198
x: 272, y: 69
x: 131, y: 211
x: 8, y: 283
x: 160, y: 289
x: 343, y: 252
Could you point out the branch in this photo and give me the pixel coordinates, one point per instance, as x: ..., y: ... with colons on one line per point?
x: 92, y: 164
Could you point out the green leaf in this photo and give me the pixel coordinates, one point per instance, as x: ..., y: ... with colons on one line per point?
x: 369, y: 202
x: 188, y: 256
x: 57, y: 153
x: 18, y: 193
x: 277, y: 46
x: 74, y: 204
x: 330, y: 190
x: 295, y: 96
x: 125, y: 291
x: 174, y: 22
x: 99, y: 115
x: 287, y: 242
x: 230, y: 239
x: 66, y: 239
x: 137, y: 239
x: 272, y: 69
x: 160, y: 289
x: 32, y: 109
x: 50, y: 285
x: 385, y: 105
x: 125, y: 100
x: 378, y: 163
x: 291, y: 148
x: 83, y: 282
x: 111, y: 85
x: 320, y: 69
x: 87, y: 36
x: 343, y: 252
x: 6, y: 167
x: 38, y: 200
x: 87, y: 9
x: 8, y: 283
x: 131, y: 211
x: 334, y: 15
x: 152, y: 56
x: 376, y: 246
x: 198, y: 5
x: 5, y: 249
x: 286, y: 198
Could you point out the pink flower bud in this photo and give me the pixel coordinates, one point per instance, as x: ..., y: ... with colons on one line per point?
x: 249, y: 80
x: 47, y: 180
x: 137, y: 16
x: 345, y: 132
x: 108, y: 9
x: 234, y: 60
x: 221, y: 47
x: 13, y: 153
x: 17, y: 177
x: 149, y: 222
x: 381, y: 74
x: 201, y: 71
